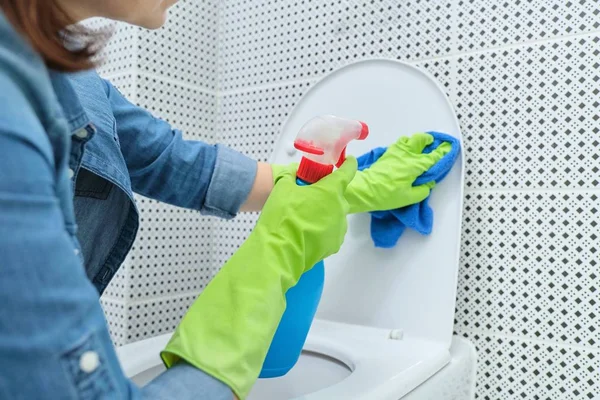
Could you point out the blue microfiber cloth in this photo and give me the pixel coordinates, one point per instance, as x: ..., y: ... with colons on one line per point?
x: 388, y: 226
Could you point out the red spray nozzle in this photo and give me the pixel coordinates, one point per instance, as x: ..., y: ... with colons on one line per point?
x: 323, y: 141
x: 364, y: 131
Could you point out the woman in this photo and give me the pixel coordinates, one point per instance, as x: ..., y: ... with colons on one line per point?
x: 72, y: 151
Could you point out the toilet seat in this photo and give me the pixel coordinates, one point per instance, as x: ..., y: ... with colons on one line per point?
x: 369, y: 286
x: 382, y: 368
x: 368, y: 290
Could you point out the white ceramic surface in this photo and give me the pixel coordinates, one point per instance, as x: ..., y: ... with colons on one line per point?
x: 412, y: 286
x: 346, y: 362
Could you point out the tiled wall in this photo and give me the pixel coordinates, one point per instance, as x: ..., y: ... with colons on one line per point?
x: 524, y: 76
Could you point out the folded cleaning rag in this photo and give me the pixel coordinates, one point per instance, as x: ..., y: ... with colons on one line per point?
x: 388, y: 226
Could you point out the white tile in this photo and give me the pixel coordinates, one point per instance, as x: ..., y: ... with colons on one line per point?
x: 529, y: 115
x: 117, y: 289
x: 156, y: 317
x: 116, y: 315
x: 510, y: 368
x: 185, y: 49
x: 442, y: 72
x: 490, y: 23
x: 171, y: 254
x: 186, y: 108
x: 263, y: 42
x: 251, y: 121
x: 530, y: 266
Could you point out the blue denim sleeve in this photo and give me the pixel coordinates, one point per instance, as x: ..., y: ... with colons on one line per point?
x: 50, y: 317
x: 184, y: 381
x: 187, y: 173
x: 54, y: 341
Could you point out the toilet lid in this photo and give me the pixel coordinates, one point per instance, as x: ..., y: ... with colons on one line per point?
x: 412, y: 286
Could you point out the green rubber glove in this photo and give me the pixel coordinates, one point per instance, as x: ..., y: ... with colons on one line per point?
x: 279, y: 170
x: 388, y: 183
x: 228, y: 330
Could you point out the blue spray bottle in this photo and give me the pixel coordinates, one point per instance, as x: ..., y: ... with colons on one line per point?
x: 323, y: 142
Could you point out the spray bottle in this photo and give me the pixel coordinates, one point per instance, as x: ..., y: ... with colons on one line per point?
x: 323, y: 142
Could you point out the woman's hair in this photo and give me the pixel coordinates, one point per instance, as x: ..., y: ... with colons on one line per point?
x: 63, y: 45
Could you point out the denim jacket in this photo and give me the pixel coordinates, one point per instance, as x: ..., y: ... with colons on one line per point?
x: 72, y: 152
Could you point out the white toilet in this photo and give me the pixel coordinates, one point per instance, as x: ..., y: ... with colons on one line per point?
x: 384, y: 325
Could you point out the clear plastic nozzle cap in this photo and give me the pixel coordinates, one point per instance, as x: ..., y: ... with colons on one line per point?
x: 324, y: 139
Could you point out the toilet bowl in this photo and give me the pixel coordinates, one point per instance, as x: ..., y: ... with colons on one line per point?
x: 384, y: 325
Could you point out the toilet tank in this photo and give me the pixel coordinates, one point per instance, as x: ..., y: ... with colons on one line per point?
x: 411, y: 287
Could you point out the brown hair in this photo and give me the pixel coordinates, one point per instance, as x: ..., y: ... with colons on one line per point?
x: 49, y: 30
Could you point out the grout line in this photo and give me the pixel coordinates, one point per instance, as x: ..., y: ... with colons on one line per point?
x: 134, y: 96
x: 219, y: 46
x: 513, y: 45
x: 146, y: 300
x: 530, y: 340
x: 274, y: 85
x: 533, y: 190
x: 111, y: 299
x: 136, y: 45
x: 179, y: 83
x: 453, y: 88
x: 453, y: 25
x: 119, y: 74
x: 448, y: 56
